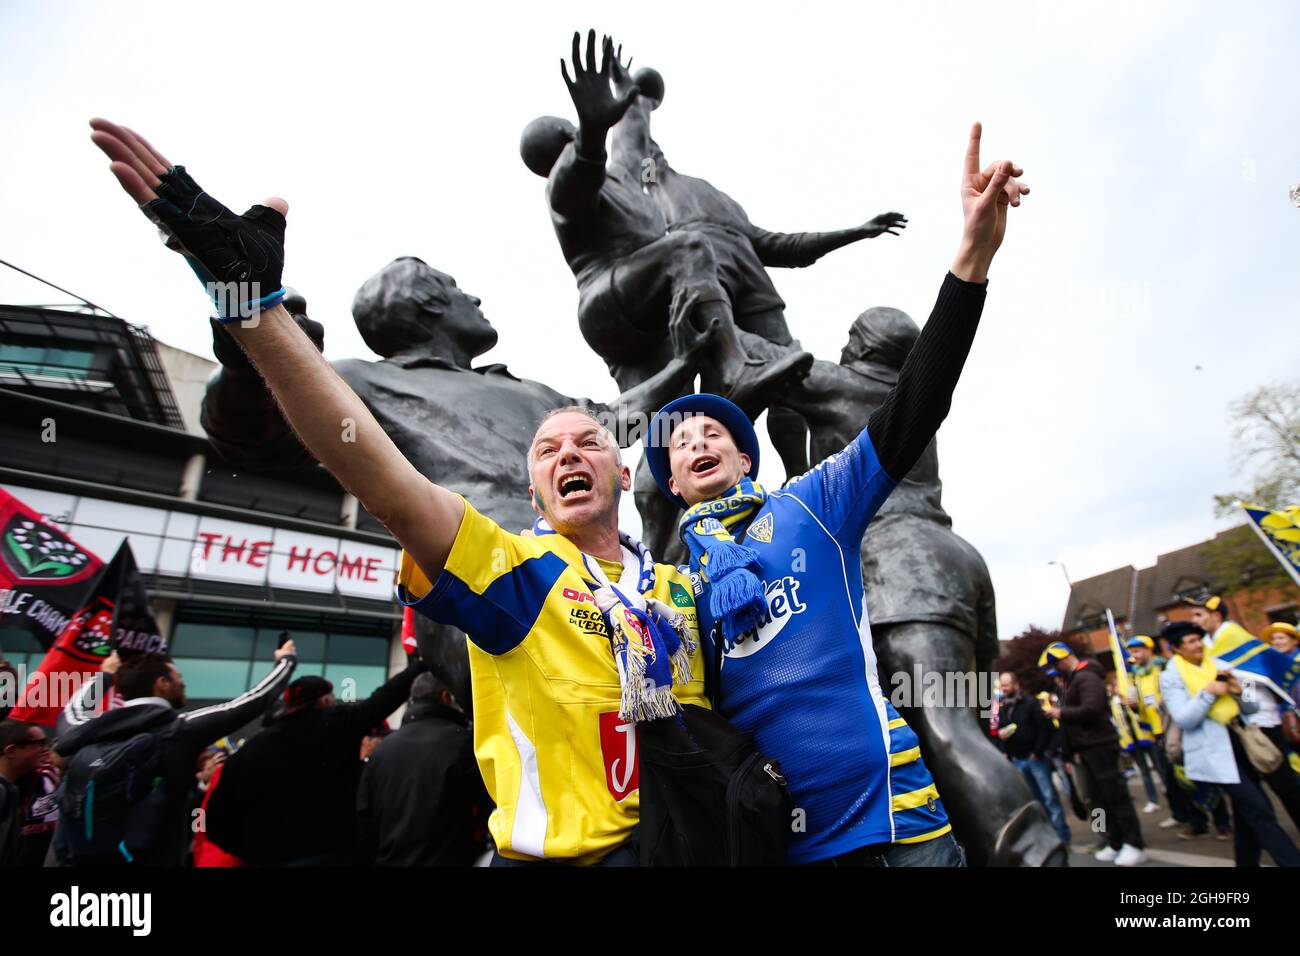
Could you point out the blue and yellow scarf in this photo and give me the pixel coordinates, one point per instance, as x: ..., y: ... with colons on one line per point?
x: 651, y: 641
x: 728, y: 569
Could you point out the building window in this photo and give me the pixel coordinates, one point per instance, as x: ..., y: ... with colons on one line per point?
x: 19, y: 361
x: 221, y: 652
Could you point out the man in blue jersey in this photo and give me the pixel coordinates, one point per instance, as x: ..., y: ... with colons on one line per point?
x: 799, y: 670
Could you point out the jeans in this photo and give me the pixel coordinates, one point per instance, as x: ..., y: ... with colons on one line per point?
x: 1038, y: 774
x: 941, y: 851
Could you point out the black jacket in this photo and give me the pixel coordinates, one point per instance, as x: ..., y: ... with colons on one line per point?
x: 183, y: 738
x: 422, y: 801
x: 289, y: 794
x: 1085, y: 709
x: 1033, y: 734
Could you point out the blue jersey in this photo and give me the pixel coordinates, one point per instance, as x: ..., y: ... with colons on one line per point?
x: 805, y: 683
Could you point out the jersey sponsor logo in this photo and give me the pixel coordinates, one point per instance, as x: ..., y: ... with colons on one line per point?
x: 586, y: 617
x: 783, y: 604
x: 581, y: 597
x: 619, y: 750
x: 761, y: 530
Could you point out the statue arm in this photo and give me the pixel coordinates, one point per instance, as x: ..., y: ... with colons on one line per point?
x: 240, y: 417
x: 629, y: 144
x: 795, y: 250
x: 580, y: 170
x: 575, y: 183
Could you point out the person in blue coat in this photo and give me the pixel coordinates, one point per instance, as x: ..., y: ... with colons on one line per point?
x: 798, y: 668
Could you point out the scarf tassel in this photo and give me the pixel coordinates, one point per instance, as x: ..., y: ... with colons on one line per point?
x: 739, y: 602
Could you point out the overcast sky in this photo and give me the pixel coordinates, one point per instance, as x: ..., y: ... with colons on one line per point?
x: 1149, y: 279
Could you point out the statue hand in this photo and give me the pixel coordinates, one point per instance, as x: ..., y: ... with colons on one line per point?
x: 598, y: 108
x: 688, y: 341
x: 234, y: 256
x: 985, y: 196
x: 620, y: 72
x: 890, y: 222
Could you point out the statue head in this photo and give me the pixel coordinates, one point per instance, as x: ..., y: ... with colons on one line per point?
x: 408, y: 303
x: 542, y: 142
x: 880, y: 338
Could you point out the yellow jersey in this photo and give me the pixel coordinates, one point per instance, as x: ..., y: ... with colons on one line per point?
x: 1147, y: 682
x: 558, y: 762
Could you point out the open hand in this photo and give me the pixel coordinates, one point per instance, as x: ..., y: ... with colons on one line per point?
x: 236, y: 257
x: 887, y: 222
x: 597, y: 105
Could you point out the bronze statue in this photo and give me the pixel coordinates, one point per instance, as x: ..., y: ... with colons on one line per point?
x: 931, y: 601
x: 629, y: 269
x: 743, y: 251
x: 468, y: 428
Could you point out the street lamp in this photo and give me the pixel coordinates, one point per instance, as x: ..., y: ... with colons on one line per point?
x: 1061, y: 565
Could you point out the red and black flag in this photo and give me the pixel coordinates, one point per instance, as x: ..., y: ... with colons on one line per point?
x: 44, y: 574
x: 113, y: 613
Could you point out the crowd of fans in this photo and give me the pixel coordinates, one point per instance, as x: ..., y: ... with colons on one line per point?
x: 1189, y: 725
x: 321, y: 782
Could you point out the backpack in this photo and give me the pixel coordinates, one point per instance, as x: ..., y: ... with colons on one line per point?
x: 112, y: 801
x: 708, y: 796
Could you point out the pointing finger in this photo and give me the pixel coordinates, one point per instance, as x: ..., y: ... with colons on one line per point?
x: 973, y: 150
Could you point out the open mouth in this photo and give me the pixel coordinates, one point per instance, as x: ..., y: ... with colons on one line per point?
x: 575, y: 484
x: 704, y: 464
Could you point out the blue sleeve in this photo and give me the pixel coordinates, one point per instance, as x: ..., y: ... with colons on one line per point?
x: 846, y: 490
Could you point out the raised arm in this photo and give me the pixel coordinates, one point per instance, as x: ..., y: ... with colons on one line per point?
x: 207, y: 724
x: 795, y: 250
x: 912, y: 412
x: 898, y: 431
x: 580, y: 171
x: 243, y: 259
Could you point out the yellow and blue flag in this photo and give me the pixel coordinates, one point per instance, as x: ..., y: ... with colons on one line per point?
x: 1280, y: 532
x: 1239, y: 650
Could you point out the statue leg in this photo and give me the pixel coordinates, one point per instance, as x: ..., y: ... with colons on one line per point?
x: 658, y: 518
x: 785, y: 426
x: 679, y: 272
x: 993, y: 813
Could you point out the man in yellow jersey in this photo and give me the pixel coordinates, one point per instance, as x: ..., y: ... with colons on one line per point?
x: 557, y: 695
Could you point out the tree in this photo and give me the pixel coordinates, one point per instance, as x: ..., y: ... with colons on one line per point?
x: 1266, y: 435
x: 1237, y: 559
x: 1021, y: 653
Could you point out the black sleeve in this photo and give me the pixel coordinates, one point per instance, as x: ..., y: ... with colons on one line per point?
x: 1042, y: 729
x: 363, y: 715
x: 913, y: 410
x: 202, y: 727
